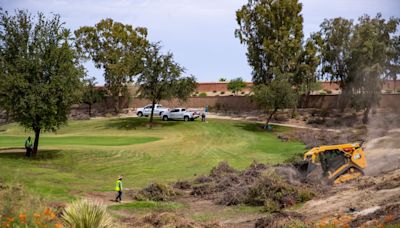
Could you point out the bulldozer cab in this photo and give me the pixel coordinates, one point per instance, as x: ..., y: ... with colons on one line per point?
x: 331, y: 160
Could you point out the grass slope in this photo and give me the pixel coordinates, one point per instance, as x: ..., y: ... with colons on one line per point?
x: 88, y: 155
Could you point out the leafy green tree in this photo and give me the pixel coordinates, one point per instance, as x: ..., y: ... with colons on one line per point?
x: 162, y: 78
x: 272, y: 30
x: 222, y: 79
x: 117, y: 49
x: 369, y: 57
x: 277, y: 95
x: 393, y: 69
x: 39, y: 71
x: 334, y: 40
x: 236, y: 85
x: 306, y: 76
x: 92, y: 94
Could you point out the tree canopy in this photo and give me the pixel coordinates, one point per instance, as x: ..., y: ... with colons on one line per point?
x: 115, y: 47
x: 272, y: 30
x: 161, y: 78
x: 236, y: 85
x: 40, y: 74
x: 277, y: 95
x: 358, y: 56
x: 92, y: 94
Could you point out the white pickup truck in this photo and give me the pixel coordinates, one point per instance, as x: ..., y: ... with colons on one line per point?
x: 146, y: 111
x: 179, y: 113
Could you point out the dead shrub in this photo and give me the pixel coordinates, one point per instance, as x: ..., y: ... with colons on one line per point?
x: 201, y: 190
x: 221, y: 169
x: 156, y: 192
x: 202, y: 179
x: 281, y: 219
x: 183, y: 185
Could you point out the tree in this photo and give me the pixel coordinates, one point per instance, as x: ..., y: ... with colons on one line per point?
x: 115, y: 47
x: 236, y: 85
x: 393, y: 69
x: 277, y: 95
x: 334, y: 40
x: 306, y: 76
x: 162, y: 78
x: 272, y: 30
x: 222, y: 79
x: 92, y: 94
x: 40, y: 71
x: 369, y: 57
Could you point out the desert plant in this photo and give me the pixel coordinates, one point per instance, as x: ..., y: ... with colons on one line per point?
x: 328, y: 91
x: 203, y: 94
x: 222, y: 92
x: 214, y: 91
x: 86, y: 214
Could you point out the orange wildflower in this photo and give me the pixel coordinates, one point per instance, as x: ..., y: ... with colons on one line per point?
x: 47, y: 211
x: 388, y: 218
x: 22, y: 217
x: 10, y: 219
x: 36, y: 215
x: 52, y: 215
x: 59, y: 225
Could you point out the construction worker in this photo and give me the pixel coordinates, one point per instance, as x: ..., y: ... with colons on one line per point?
x: 118, y: 188
x: 203, y: 117
x: 28, y: 147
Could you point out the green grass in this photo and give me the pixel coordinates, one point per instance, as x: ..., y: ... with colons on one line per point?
x: 144, y: 206
x: 87, y: 156
x: 15, y: 141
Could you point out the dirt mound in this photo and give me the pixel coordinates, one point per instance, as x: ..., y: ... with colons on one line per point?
x: 388, y: 215
x: 355, y: 199
x: 258, y: 185
x: 166, y: 219
x: 155, y: 192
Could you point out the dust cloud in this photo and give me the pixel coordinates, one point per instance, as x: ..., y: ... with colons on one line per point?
x: 383, y: 143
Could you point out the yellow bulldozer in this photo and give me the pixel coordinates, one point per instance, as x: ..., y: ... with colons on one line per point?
x: 339, y: 163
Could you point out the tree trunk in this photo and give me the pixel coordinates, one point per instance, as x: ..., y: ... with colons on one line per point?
x: 36, y: 143
x: 152, y: 112
x: 394, y: 84
x: 269, y: 118
x: 305, y: 104
x: 365, y: 116
x: 116, y: 104
x: 90, y: 110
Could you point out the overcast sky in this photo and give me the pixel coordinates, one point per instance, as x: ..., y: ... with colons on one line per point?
x: 200, y: 33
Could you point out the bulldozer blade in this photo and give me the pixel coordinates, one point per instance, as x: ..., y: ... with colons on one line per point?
x: 304, y: 167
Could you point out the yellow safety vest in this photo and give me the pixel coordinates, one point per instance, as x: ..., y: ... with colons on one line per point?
x: 118, y: 185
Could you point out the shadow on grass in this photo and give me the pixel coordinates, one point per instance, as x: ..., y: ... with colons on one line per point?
x: 41, y: 155
x: 253, y: 127
x: 132, y: 123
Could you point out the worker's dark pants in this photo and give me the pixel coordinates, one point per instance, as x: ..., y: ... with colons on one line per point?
x: 119, y: 196
x: 28, y: 151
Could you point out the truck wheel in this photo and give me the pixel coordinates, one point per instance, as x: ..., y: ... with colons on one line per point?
x: 140, y: 114
x: 165, y: 118
x: 160, y: 114
x: 186, y: 118
x: 191, y: 119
